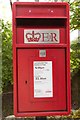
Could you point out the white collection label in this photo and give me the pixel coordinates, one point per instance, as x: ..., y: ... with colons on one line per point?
x: 43, y: 82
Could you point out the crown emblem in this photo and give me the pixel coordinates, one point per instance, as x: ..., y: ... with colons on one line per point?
x: 33, y: 37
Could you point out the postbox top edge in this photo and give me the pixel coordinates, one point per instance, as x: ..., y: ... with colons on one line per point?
x: 41, y: 3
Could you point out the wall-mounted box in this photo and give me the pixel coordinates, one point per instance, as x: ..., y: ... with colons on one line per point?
x: 41, y: 59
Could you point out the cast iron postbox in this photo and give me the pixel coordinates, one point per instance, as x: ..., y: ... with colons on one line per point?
x: 41, y: 59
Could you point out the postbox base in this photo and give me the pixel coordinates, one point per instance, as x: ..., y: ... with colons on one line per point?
x: 41, y: 118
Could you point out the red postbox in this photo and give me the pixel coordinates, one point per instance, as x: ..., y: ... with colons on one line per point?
x: 41, y: 59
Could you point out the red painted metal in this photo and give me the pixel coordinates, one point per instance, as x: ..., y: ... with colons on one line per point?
x: 41, y: 16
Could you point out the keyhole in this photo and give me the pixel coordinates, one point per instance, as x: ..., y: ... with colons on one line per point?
x: 26, y: 81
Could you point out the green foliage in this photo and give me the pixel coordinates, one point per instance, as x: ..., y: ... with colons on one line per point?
x: 75, y: 57
x: 0, y: 58
x: 6, y: 54
x: 75, y: 114
x: 75, y: 45
x: 75, y: 15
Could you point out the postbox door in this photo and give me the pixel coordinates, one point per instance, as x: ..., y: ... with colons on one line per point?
x: 29, y: 61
